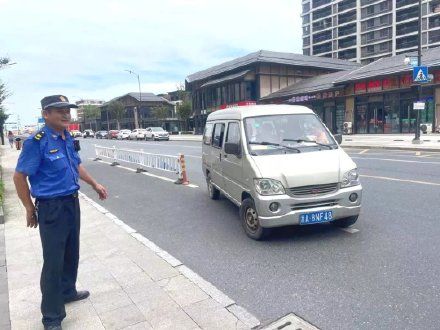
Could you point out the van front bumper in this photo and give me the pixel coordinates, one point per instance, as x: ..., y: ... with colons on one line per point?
x: 291, y: 208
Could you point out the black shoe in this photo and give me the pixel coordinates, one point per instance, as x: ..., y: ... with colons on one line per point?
x: 80, y: 295
x: 53, y: 327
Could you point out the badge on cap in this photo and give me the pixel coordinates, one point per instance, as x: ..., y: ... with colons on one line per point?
x: 63, y: 99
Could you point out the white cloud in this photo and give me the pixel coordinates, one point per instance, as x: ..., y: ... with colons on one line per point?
x: 81, y: 48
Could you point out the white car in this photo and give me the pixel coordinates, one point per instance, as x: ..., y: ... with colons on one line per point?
x: 88, y: 133
x: 156, y: 133
x: 123, y: 134
x: 137, y: 134
x: 75, y: 133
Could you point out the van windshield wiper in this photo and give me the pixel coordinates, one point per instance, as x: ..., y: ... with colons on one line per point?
x: 265, y: 143
x: 311, y: 141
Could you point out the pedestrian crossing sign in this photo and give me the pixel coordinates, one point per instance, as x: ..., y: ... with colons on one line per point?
x: 420, y: 74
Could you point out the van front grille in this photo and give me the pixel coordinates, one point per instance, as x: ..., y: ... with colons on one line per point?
x: 313, y: 190
x: 312, y: 205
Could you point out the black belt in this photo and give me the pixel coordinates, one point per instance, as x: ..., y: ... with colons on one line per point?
x: 66, y: 197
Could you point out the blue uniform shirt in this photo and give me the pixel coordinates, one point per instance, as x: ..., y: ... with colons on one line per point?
x: 51, y: 164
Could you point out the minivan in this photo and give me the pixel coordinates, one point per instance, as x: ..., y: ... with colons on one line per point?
x: 281, y: 166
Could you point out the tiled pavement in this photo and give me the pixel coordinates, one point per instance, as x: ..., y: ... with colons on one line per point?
x: 133, y: 283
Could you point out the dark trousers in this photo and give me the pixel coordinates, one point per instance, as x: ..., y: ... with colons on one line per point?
x: 59, y: 222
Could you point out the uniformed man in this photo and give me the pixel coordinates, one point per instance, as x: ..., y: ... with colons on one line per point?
x: 51, y: 162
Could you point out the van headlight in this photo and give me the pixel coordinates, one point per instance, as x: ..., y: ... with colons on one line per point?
x: 269, y: 187
x: 350, y: 178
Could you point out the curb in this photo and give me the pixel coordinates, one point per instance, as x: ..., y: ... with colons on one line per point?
x: 239, y: 312
x: 390, y: 148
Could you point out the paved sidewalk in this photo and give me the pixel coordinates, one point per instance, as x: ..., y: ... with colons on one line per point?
x: 4, y: 295
x: 133, y: 283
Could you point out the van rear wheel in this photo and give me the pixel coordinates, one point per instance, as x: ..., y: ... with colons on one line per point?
x: 213, y: 192
x: 345, y: 222
x: 250, y: 221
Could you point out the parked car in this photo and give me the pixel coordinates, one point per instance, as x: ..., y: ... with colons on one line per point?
x: 123, y: 134
x: 88, y: 133
x: 101, y: 134
x: 75, y: 133
x: 156, y: 133
x: 137, y: 134
x: 281, y: 166
x: 112, y: 134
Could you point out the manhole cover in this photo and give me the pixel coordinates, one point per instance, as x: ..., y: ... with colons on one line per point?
x: 290, y: 322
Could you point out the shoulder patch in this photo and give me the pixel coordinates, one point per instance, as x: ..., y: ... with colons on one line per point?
x: 39, y: 135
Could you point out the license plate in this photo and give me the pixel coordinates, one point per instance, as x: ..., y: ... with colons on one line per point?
x: 315, y: 217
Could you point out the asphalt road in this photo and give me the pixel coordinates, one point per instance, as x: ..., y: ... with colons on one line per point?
x: 385, y: 276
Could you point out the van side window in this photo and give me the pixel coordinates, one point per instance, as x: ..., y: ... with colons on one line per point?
x: 233, y: 135
x: 207, y: 136
x: 219, y: 132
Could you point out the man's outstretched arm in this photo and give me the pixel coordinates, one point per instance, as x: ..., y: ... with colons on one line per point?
x: 86, y: 177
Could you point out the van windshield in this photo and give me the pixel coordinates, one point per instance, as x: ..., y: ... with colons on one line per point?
x: 275, y: 134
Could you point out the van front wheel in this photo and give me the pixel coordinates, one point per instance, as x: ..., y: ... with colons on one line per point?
x: 345, y: 222
x: 250, y: 221
x: 213, y: 192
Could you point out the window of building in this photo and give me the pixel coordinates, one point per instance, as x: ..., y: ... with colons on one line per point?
x: 219, y: 132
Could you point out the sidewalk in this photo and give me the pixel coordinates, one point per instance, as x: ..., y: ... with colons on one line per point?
x: 431, y: 142
x: 133, y: 283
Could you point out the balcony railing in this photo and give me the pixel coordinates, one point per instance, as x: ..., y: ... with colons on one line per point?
x: 402, y: 16
x: 322, y: 25
x: 346, y: 31
x: 346, y: 18
x: 434, y: 22
x: 347, y: 55
x: 347, y: 43
x: 406, y: 29
x: 322, y: 37
x: 318, y: 3
x: 434, y: 39
x: 407, y: 44
x: 322, y: 49
x: 342, y: 6
x: 402, y: 3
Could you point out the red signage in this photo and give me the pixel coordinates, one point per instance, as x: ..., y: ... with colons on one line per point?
x: 360, y: 87
x: 437, y: 77
x: 406, y: 81
x: 390, y: 83
x: 239, y: 104
x: 374, y: 85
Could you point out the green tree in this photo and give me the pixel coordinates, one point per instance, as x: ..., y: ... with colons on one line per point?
x: 184, y: 111
x: 3, y: 61
x: 3, y: 116
x: 117, y: 110
x: 91, y: 114
x: 161, y: 112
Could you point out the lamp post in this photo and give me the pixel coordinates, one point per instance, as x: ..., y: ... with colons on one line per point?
x: 136, y: 123
x: 416, y: 139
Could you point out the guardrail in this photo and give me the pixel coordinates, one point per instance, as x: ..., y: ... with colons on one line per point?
x: 174, y: 164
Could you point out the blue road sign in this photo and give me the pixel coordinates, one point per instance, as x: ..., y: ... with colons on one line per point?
x: 420, y: 74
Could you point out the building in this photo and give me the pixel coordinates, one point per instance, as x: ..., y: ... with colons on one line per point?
x: 247, y: 79
x: 366, y: 30
x: 80, y: 118
x: 145, y: 108
x: 374, y: 99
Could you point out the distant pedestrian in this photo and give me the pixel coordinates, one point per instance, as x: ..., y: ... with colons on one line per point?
x: 50, y: 159
x: 11, y: 139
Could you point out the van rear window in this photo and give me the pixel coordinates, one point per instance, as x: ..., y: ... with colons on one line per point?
x: 207, y: 136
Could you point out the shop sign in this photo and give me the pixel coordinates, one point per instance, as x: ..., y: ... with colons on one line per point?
x: 360, y: 87
x: 390, y: 83
x: 374, y: 85
x: 406, y: 81
x: 437, y: 77
x: 419, y: 105
x: 239, y: 104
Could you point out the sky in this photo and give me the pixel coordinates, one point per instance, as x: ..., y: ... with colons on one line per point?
x: 81, y: 49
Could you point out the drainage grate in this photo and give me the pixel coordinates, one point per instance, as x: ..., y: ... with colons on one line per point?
x: 290, y: 322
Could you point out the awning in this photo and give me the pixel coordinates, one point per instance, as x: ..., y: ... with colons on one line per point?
x: 227, y: 78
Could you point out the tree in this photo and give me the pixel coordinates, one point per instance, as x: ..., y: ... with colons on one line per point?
x: 117, y: 110
x: 3, y: 61
x: 91, y: 113
x: 161, y: 112
x: 3, y: 116
x: 184, y: 111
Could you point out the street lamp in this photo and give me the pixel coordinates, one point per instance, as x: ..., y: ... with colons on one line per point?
x: 136, y: 124
x: 416, y: 139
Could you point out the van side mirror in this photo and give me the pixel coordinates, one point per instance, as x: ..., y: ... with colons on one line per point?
x: 338, y: 138
x: 233, y: 149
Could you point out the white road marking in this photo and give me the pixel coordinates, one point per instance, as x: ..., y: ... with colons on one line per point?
x: 395, y: 160
x: 418, y: 153
x: 400, y: 180
x: 363, y: 151
x: 242, y: 314
x: 350, y: 230
x: 147, y: 174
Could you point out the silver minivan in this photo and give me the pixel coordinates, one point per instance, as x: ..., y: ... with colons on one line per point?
x: 281, y: 166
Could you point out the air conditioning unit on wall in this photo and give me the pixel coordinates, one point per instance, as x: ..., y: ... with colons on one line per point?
x: 347, y: 127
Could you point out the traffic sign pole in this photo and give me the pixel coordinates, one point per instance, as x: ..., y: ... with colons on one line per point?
x: 419, y: 87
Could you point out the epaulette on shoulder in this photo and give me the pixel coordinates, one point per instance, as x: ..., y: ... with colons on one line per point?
x: 39, y: 135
